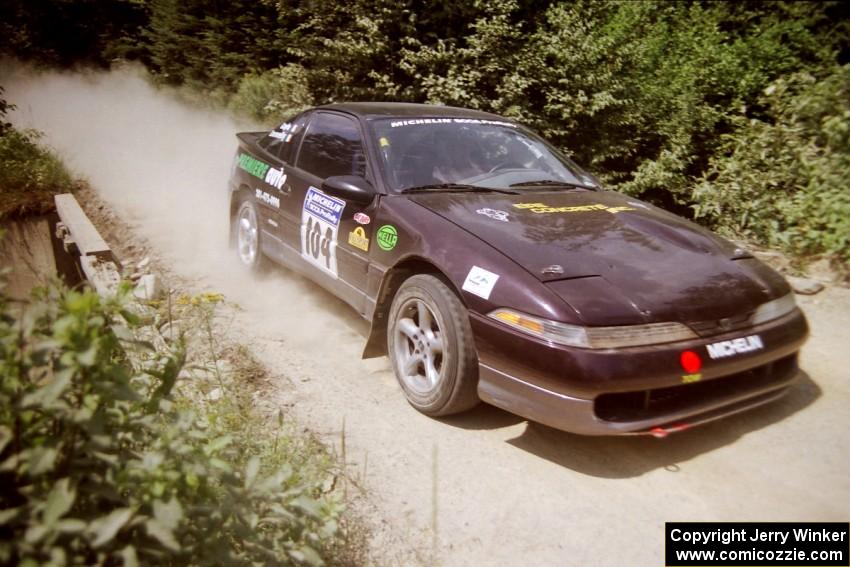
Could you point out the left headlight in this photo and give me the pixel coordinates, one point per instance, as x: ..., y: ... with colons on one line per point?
x: 594, y: 337
x: 774, y: 309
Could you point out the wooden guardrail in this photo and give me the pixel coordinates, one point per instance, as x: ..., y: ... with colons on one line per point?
x: 79, y: 236
x: 103, y: 271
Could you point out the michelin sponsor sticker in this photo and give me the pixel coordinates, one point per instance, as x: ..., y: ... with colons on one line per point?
x: 480, y: 282
x: 323, y: 206
x: 735, y: 346
x: 319, y: 229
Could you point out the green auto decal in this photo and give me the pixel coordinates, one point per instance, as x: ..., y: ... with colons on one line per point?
x: 387, y: 237
x: 253, y: 166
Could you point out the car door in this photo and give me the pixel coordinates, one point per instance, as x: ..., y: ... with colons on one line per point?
x: 273, y: 190
x: 332, y: 235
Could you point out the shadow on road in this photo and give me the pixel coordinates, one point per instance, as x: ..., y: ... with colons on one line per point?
x: 483, y: 416
x: 627, y: 457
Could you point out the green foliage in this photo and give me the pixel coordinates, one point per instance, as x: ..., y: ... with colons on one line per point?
x: 30, y: 174
x: 63, y: 32
x: 5, y: 107
x: 273, y: 95
x: 781, y: 180
x: 211, y: 46
x: 642, y: 93
x: 101, y: 463
x: 465, y: 68
x: 638, y: 90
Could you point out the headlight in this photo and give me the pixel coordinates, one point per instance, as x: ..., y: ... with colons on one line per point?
x: 594, y: 337
x: 774, y: 309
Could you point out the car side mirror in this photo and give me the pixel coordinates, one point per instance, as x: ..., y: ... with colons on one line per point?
x: 349, y: 187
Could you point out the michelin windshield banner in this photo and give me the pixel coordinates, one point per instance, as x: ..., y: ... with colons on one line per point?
x: 761, y: 544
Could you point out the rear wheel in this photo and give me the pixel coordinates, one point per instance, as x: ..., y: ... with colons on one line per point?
x: 248, y: 236
x: 432, y: 348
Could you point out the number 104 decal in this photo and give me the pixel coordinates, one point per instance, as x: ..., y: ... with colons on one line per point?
x: 319, y: 228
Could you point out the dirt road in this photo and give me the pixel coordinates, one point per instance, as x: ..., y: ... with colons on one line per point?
x: 486, y: 488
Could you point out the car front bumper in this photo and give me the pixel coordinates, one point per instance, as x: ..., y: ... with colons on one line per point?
x: 633, y: 391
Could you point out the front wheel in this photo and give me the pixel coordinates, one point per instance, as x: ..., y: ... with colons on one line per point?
x: 248, y: 237
x: 432, y: 348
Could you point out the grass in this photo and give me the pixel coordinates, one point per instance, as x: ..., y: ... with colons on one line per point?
x: 30, y: 174
x: 224, y: 381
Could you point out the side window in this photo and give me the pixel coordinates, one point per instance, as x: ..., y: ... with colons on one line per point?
x: 332, y: 146
x: 283, y: 140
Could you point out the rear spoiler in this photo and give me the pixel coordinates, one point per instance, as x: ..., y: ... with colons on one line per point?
x: 250, y: 138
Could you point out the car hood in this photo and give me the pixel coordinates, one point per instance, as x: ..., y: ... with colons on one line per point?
x: 614, y: 259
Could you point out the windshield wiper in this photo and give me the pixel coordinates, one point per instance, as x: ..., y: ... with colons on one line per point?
x: 456, y: 187
x: 550, y: 183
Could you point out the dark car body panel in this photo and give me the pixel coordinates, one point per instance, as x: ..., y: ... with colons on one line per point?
x: 620, y: 262
x: 586, y: 373
x: 658, y: 266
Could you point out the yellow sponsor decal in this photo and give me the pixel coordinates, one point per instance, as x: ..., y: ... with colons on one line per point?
x: 688, y: 378
x: 357, y: 238
x: 544, y: 208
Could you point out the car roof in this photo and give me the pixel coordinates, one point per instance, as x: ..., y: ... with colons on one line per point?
x: 372, y: 110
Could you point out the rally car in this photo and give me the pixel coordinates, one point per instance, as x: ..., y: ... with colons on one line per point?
x: 493, y: 268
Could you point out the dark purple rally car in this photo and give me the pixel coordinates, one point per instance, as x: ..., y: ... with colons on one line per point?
x: 494, y: 268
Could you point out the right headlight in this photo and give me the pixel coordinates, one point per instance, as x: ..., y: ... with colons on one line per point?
x: 594, y: 337
x: 774, y: 309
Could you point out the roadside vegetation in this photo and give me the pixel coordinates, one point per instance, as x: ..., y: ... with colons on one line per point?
x: 30, y: 174
x: 129, y: 432
x: 732, y: 113
x: 124, y: 444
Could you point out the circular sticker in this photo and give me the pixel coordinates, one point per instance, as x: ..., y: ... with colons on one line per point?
x: 690, y: 361
x: 387, y: 237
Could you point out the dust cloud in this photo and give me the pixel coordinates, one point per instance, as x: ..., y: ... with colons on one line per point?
x: 163, y: 166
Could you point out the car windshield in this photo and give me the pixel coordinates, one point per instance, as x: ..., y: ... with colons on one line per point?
x: 442, y: 153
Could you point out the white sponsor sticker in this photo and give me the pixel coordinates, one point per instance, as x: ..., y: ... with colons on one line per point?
x: 735, y: 346
x: 424, y: 121
x: 480, y: 282
x: 319, y: 227
x: 494, y: 214
x: 284, y: 131
x: 275, y: 177
x: 270, y: 200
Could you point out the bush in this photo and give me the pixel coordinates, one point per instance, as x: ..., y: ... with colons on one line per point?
x: 101, y: 463
x: 781, y: 180
x: 29, y: 174
x: 273, y: 95
x: 5, y: 107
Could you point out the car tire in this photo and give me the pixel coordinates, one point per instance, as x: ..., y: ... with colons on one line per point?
x: 248, y: 238
x: 431, y: 347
